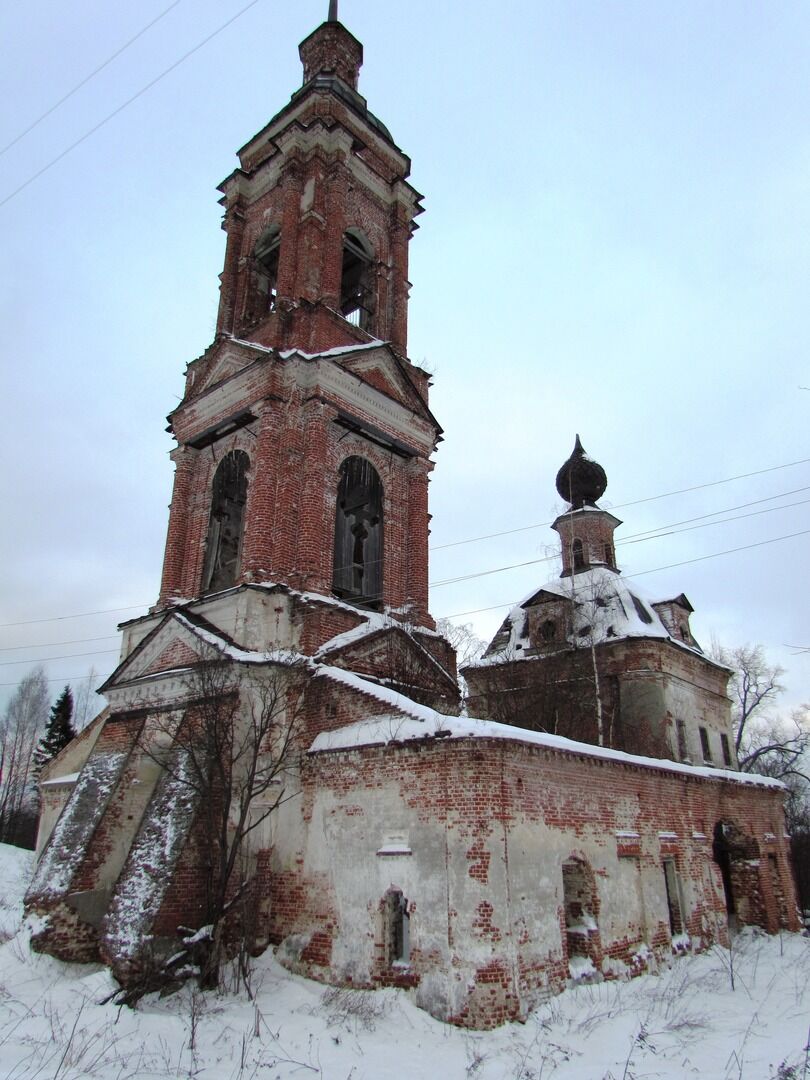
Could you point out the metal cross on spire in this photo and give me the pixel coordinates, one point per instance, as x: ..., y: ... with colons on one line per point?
x: 333, y: 11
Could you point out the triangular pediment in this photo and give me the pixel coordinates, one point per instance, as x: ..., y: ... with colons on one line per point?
x: 382, y: 370
x: 173, y: 646
x: 386, y: 651
x: 543, y: 596
x: 231, y: 359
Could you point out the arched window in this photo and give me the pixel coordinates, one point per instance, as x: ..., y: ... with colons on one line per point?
x: 264, y: 274
x: 578, y: 555
x: 548, y: 630
x: 609, y: 554
x: 357, y: 574
x: 223, y: 546
x: 581, y: 906
x: 356, y: 291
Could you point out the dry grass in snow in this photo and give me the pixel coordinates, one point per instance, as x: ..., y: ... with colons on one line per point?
x: 685, y: 1022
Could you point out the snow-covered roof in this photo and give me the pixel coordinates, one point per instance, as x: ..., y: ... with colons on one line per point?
x: 605, y: 608
x: 425, y: 723
x: 384, y: 694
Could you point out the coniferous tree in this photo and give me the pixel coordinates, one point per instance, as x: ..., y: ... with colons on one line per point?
x: 59, y: 730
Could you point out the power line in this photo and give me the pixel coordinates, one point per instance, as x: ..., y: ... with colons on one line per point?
x: 128, y: 102
x: 637, y: 538
x: 492, y: 607
x: 53, y: 644
x: 58, y: 678
x: 715, y: 513
x: 650, y: 534
x: 658, y: 535
x: 64, y: 656
x: 634, y: 502
x: 87, y: 78
x: 653, y: 570
x: 80, y: 615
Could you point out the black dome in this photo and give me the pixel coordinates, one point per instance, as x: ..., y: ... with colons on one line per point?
x: 581, y: 480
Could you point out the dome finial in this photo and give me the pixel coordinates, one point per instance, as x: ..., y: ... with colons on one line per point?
x: 581, y: 480
x: 333, y: 11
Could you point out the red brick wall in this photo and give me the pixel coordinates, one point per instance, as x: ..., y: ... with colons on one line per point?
x: 482, y: 799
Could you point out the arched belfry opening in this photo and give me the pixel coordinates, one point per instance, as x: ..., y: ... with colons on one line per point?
x: 358, y: 564
x: 226, y: 523
x: 356, y: 280
x: 263, y: 284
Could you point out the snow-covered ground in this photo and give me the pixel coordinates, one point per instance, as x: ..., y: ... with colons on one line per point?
x: 686, y: 1021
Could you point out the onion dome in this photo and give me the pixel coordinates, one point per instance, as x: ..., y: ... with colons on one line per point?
x: 581, y: 480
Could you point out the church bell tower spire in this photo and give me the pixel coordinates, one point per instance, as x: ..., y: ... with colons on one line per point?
x: 304, y: 436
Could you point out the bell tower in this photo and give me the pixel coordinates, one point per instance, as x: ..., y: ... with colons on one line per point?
x: 304, y: 436
x: 319, y: 215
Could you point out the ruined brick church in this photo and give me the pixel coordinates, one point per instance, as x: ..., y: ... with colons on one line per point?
x: 586, y: 819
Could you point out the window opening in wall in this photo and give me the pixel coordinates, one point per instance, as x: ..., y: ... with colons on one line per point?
x: 726, y: 747
x: 264, y: 274
x: 396, y: 929
x: 721, y: 850
x: 673, y: 897
x: 608, y: 554
x: 548, y: 630
x: 358, y: 555
x: 578, y: 554
x: 704, y: 745
x: 641, y: 610
x: 681, y: 729
x: 223, y: 547
x: 776, y: 888
x: 579, y: 901
x: 356, y: 292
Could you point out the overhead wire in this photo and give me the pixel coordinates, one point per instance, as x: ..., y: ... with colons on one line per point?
x: 64, y: 656
x: 87, y: 78
x: 632, y: 538
x: 126, y: 104
x: 653, y: 570
x: 636, y: 538
x: 493, y: 607
x: 53, y: 644
x: 633, y: 502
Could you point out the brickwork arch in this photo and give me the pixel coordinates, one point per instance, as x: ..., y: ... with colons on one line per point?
x: 226, y: 522
x: 581, y: 910
x: 263, y: 270
x: 357, y: 573
x: 738, y: 856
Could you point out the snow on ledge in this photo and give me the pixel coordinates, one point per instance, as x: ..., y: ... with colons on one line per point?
x: 339, y: 350
x: 420, y: 722
x: 68, y: 778
x: 394, y: 849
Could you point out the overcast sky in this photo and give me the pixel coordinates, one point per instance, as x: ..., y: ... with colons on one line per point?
x: 616, y: 243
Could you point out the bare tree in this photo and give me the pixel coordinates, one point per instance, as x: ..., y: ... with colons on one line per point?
x: 464, y: 640
x: 766, y: 742
x: 20, y: 728
x: 234, y: 750
x: 85, y: 706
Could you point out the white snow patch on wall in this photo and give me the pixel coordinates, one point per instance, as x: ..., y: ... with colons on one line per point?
x: 71, y: 835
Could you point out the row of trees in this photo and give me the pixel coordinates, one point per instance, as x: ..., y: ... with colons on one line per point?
x: 31, y: 733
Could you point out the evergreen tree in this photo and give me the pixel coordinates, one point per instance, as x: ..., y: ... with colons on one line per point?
x: 59, y: 730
